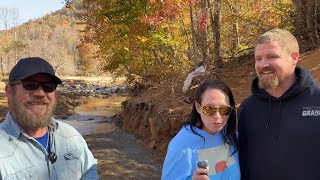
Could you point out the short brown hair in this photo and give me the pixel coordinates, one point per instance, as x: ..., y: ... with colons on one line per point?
x: 285, y: 39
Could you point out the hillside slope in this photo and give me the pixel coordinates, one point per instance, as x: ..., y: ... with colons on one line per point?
x: 54, y: 37
x: 156, y: 113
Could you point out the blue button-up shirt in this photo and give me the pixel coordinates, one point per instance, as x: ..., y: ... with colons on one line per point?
x: 23, y: 157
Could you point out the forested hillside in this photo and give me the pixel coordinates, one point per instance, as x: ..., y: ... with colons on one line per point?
x: 55, y: 37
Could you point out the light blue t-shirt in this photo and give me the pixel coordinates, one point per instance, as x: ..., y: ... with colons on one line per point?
x: 187, y: 148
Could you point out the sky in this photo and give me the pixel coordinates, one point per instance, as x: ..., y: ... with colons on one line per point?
x: 32, y: 9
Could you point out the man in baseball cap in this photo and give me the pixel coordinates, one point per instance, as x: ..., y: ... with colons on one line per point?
x: 30, y: 66
x: 33, y: 144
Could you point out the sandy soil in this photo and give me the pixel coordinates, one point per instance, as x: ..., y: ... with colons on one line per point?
x: 121, y: 156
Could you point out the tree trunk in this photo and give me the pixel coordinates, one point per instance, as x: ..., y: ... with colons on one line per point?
x: 216, y: 29
x: 234, y: 10
x: 203, y: 30
x: 236, y: 25
x: 316, y: 22
x: 1, y: 61
x: 309, y: 22
x: 211, y: 19
x: 188, y: 40
x: 194, y: 46
x: 306, y: 22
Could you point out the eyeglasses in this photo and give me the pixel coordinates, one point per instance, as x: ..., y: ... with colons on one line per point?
x: 32, y: 85
x: 223, y: 110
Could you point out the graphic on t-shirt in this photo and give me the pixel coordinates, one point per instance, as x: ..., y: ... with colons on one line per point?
x: 218, y: 158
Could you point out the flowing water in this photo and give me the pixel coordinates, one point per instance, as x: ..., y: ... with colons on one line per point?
x: 94, y: 111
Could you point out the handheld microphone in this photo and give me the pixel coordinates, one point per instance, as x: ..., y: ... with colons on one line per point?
x: 52, y: 157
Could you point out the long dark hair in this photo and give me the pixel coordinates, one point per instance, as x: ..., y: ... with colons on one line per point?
x: 229, y: 130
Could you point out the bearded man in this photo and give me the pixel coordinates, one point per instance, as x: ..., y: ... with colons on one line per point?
x: 279, y: 123
x: 33, y: 144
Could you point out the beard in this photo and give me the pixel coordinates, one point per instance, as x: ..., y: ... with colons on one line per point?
x: 34, y: 118
x: 268, y: 83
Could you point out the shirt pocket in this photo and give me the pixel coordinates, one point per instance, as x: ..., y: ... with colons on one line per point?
x: 30, y: 173
x: 73, y: 162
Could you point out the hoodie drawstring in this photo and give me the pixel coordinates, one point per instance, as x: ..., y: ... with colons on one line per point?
x: 268, y: 120
x: 277, y: 135
x: 268, y: 115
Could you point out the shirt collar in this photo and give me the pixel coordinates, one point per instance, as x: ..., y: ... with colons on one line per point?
x: 12, y: 128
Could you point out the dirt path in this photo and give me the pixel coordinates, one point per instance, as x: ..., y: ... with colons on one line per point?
x: 121, y: 156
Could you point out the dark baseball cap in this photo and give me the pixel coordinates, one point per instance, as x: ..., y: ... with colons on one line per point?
x: 30, y: 66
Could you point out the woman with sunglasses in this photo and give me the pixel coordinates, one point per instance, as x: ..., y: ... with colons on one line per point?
x: 208, y: 137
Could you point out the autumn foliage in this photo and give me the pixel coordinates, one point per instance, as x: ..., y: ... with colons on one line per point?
x: 161, y: 38
x: 158, y: 38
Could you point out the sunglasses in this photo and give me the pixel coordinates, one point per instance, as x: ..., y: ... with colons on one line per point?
x: 210, y: 110
x: 32, y: 85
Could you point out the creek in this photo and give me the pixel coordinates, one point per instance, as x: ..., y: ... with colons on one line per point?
x: 120, y: 155
x: 93, y: 112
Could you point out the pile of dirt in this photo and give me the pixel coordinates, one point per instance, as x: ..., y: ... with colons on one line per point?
x: 155, y: 114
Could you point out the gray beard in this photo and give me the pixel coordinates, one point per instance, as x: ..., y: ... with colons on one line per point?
x: 32, y: 120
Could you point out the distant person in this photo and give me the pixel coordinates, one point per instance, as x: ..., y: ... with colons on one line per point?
x: 208, y: 135
x: 279, y: 124
x: 33, y: 145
